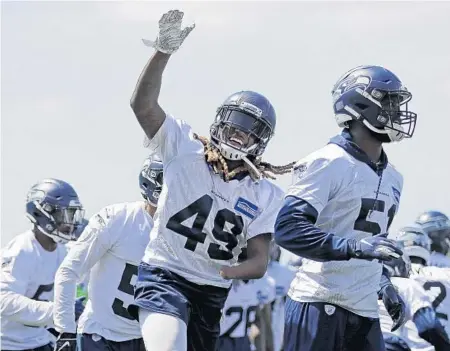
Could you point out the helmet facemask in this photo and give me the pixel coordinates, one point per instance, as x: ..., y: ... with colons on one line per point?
x: 62, y: 222
x: 393, y: 119
x: 239, y: 133
x: 415, y: 244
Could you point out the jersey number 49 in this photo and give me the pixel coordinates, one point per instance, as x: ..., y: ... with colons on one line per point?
x: 201, y: 208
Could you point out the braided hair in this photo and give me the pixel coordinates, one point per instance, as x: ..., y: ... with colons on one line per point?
x: 220, y: 166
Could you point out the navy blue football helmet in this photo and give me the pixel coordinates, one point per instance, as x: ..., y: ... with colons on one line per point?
x: 244, y: 124
x: 55, y: 210
x: 415, y: 242
x: 376, y: 97
x: 151, y: 179
x: 437, y: 226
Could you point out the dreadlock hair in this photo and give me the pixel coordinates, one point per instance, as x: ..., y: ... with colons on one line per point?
x: 220, y: 166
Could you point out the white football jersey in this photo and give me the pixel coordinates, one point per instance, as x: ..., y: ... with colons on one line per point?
x: 243, y: 301
x: 343, y: 190
x: 439, y: 260
x: 415, y: 298
x: 202, y: 222
x: 84, y: 281
x: 27, y: 278
x: 110, y: 248
x: 436, y: 282
x: 282, y: 275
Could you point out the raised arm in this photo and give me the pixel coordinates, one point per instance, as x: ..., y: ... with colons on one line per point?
x: 144, y: 101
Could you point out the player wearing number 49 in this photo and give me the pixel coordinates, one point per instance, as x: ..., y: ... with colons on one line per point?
x: 215, y: 201
x: 29, y: 264
x: 109, y: 249
x: 336, y: 214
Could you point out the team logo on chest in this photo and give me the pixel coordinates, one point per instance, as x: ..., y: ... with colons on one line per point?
x: 246, y: 208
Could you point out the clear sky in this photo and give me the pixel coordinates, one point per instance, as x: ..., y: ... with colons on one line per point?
x: 68, y: 70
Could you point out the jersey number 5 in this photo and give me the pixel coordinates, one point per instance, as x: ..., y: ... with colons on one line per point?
x: 126, y: 287
x: 368, y: 205
x: 201, y: 209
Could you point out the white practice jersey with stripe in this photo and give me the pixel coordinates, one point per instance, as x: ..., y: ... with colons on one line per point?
x: 27, y: 280
x: 243, y: 301
x: 203, y: 222
x: 415, y: 298
x: 282, y: 276
x: 343, y: 190
x: 110, y: 249
x: 439, y: 260
x: 436, y: 282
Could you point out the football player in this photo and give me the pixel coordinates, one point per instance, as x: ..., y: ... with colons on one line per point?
x: 283, y: 276
x: 245, y: 300
x: 421, y: 320
x: 215, y: 201
x: 29, y: 264
x: 435, y: 280
x: 110, y: 249
x: 336, y: 216
x: 437, y: 226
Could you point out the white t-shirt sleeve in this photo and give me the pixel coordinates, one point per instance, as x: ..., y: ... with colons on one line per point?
x: 96, y: 239
x: 174, y: 138
x: 16, y: 274
x: 265, y: 221
x: 316, y: 181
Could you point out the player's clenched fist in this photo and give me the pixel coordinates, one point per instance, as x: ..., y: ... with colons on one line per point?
x: 170, y: 36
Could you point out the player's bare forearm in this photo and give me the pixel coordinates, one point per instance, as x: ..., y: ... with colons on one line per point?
x: 144, y: 101
x: 256, y: 264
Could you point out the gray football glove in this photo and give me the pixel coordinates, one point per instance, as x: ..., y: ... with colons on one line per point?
x: 170, y: 36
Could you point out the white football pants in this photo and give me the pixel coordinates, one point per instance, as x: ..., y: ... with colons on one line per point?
x: 162, y: 332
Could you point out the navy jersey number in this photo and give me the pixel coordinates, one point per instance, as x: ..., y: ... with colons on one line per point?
x: 249, y: 318
x: 126, y: 287
x: 201, y: 209
x: 441, y: 297
x: 368, y: 205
